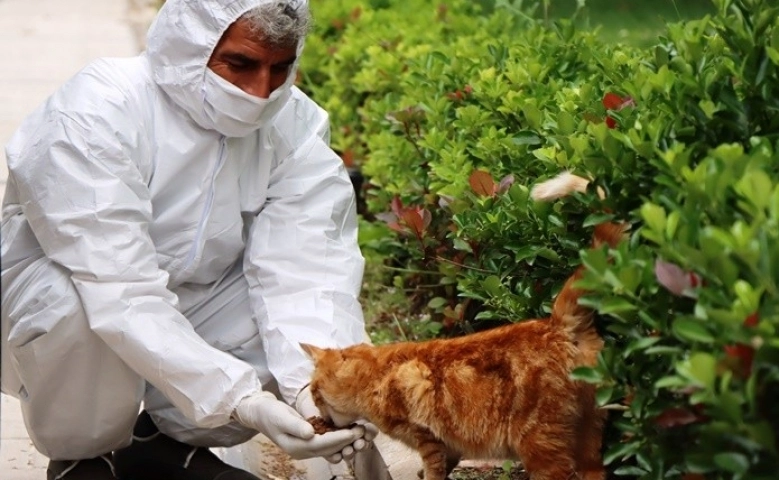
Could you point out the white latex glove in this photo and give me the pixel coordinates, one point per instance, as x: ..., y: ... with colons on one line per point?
x: 304, y: 404
x: 263, y: 412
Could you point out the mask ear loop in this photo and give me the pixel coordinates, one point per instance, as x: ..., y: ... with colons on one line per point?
x: 203, y: 90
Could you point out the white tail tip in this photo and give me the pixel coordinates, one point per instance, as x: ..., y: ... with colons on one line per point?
x: 561, y: 186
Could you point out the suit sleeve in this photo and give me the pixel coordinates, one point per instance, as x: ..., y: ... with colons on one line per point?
x: 303, y: 262
x: 88, y: 204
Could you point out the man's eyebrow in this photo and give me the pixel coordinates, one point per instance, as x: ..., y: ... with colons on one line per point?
x: 240, y: 57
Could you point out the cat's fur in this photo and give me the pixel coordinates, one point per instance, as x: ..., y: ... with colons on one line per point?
x: 503, y: 393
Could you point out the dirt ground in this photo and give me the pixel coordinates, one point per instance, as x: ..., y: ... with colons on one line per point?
x: 489, y: 473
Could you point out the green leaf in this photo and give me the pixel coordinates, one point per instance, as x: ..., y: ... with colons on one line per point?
x: 615, y: 305
x: 603, y: 395
x: 436, y: 303
x: 526, y: 137
x: 492, y: 285
x: 640, y: 344
x: 586, y: 374
x: 732, y: 462
x: 597, y: 219
x: 460, y: 244
x: 595, y: 260
x: 663, y: 350
x: 630, y: 471
x: 654, y: 216
x: 755, y: 185
x: 671, y: 381
x: 620, y: 451
x: 701, y: 368
x: 672, y: 224
x: 548, y: 253
x: 692, y: 330
x: 565, y: 123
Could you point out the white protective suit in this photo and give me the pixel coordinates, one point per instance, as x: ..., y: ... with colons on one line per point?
x: 139, y: 244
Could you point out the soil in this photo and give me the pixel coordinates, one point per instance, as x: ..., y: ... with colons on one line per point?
x: 489, y: 473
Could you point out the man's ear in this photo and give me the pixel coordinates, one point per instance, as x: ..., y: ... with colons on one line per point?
x: 314, y: 353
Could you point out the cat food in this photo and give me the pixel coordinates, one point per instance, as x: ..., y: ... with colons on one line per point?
x: 321, y: 425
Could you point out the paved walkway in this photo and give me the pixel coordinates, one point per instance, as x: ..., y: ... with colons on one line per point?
x: 43, y: 43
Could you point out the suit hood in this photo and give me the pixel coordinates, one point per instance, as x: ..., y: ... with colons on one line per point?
x: 180, y: 42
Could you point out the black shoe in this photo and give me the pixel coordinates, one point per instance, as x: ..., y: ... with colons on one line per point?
x: 155, y: 456
x: 98, y: 468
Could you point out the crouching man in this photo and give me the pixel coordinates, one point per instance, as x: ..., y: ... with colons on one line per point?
x: 174, y: 225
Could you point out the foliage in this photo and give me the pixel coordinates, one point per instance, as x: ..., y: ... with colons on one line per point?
x: 453, y: 120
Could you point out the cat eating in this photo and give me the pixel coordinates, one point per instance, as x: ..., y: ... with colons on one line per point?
x: 504, y: 393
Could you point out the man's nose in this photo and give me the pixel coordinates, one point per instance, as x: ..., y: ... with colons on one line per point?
x: 261, y: 86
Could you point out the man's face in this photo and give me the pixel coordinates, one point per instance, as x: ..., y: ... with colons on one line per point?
x: 244, y: 60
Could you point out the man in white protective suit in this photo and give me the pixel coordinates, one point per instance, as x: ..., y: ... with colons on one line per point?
x: 174, y: 224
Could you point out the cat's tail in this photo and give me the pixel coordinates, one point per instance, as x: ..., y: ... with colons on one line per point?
x: 566, y: 311
x: 560, y: 186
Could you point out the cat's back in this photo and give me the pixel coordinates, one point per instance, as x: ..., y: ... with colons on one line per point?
x: 508, y: 357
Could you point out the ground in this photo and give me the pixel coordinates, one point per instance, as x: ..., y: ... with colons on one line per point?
x: 516, y: 472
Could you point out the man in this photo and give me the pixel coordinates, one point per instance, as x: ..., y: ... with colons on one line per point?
x: 174, y: 224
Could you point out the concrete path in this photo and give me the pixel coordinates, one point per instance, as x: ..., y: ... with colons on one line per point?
x: 43, y: 43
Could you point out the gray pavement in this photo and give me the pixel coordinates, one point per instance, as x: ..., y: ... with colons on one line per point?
x: 42, y: 44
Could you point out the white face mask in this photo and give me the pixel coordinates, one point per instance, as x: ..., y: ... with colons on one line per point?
x: 235, y: 113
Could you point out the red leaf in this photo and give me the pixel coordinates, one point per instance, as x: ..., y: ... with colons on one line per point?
x: 348, y: 158
x: 611, y: 123
x: 745, y: 356
x: 397, y: 206
x: 676, y: 280
x: 612, y: 101
x: 677, y: 417
x: 397, y: 227
x: 414, y: 219
x: 752, y: 320
x: 482, y: 183
x: 456, y: 95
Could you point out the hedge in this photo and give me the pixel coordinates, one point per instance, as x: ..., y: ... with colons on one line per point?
x: 453, y: 115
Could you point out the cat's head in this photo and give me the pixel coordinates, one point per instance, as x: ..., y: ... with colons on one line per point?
x: 333, y: 384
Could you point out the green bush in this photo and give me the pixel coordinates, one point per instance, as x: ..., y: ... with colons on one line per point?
x: 359, y: 48
x: 453, y: 123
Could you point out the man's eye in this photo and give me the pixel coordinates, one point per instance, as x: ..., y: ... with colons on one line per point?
x: 239, y: 65
x: 281, y: 68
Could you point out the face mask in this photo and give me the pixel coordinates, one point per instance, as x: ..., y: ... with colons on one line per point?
x: 233, y: 112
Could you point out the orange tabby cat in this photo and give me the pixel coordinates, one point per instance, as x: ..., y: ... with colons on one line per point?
x: 501, y: 393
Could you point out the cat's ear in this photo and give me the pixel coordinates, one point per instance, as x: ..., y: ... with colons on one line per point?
x: 314, y: 353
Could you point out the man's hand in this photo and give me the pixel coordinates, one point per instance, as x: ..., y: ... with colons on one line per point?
x: 304, y: 404
x: 279, y: 422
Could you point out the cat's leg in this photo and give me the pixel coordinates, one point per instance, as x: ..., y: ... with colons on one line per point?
x: 547, y: 451
x: 589, y: 460
x: 452, y: 459
x: 434, y: 456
